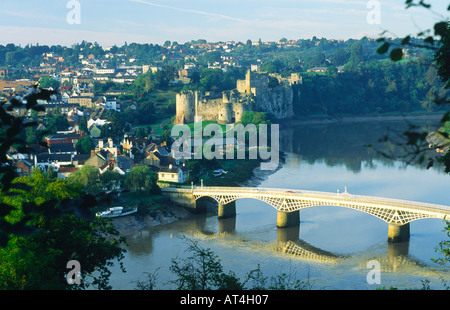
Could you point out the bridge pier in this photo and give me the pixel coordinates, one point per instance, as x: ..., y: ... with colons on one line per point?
x: 398, y: 249
x: 226, y: 210
x: 288, y: 219
x: 288, y: 234
x: 227, y: 226
x: 398, y: 233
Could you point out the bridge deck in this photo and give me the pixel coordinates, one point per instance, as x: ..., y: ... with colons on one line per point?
x: 314, y: 196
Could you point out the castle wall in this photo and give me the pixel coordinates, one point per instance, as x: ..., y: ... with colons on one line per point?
x: 251, y: 94
x: 241, y: 86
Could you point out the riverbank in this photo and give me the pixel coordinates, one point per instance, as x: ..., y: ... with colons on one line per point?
x: 156, y: 209
x: 153, y: 210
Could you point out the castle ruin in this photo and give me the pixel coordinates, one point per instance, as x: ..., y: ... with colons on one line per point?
x: 251, y: 94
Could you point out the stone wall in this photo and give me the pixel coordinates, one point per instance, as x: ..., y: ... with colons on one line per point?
x: 251, y: 94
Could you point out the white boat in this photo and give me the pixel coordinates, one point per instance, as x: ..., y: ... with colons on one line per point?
x: 219, y: 172
x: 116, y: 212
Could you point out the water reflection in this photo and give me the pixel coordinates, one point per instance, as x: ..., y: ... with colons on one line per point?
x: 288, y: 242
x: 227, y: 225
x: 347, y: 143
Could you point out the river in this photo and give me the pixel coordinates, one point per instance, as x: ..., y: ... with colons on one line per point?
x: 341, y: 242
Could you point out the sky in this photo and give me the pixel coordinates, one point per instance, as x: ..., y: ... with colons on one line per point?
x: 114, y: 22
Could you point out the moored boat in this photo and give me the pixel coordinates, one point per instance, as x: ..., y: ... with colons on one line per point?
x: 116, y: 212
x: 219, y: 172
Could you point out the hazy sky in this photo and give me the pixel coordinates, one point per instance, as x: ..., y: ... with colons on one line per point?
x: 110, y: 22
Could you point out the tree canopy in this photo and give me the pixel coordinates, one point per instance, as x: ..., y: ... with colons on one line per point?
x: 45, y: 222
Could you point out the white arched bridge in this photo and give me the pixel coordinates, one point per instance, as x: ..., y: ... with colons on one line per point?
x: 397, y: 213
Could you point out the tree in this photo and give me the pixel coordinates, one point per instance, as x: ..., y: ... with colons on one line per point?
x: 88, y: 177
x: 39, y: 232
x: 165, y: 76
x: 39, y: 261
x: 202, y: 271
x: 144, y: 83
x: 85, y: 145
x: 56, y: 121
x: 54, y: 235
x: 356, y: 52
x: 340, y: 57
x: 110, y: 179
x: 82, y: 125
x: 47, y: 82
x: 115, y: 126
x: 32, y: 135
x: 141, y: 178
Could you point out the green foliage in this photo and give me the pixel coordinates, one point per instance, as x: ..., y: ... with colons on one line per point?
x: 115, y: 127
x: 34, y: 198
x: 371, y: 87
x: 202, y: 271
x: 444, y: 247
x: 33, y: 136
x: 256, y: 118
x: 87, y: 177
x: 56, y: 121
x: 85, y: 145
x: 39, y: 261
x: 39, y: 232
x: 216, y: 80
x: 141, y: 178
x: 47, y: 82
x: 110, y: 179
x: 442, y: 56
x: 82, y: 125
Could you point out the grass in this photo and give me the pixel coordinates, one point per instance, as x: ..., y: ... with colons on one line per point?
x: 239, y: 170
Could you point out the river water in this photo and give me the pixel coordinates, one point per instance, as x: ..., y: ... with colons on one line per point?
x: 340, y: 243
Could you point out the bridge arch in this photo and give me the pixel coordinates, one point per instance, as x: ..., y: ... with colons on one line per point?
x: 287, y: 205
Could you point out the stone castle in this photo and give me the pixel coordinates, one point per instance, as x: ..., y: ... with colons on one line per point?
x: 251, y: 94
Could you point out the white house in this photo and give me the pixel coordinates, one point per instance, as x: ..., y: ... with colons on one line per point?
x: 105, y: 70
x: 98, y: 122
x: 172, y: 174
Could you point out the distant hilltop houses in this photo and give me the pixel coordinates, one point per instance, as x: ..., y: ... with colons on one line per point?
x: 92, y: 81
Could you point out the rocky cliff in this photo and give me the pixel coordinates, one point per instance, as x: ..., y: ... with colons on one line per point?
x: 278, y: 101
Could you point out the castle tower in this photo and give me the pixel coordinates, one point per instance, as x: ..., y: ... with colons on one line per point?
x: 186, y: 106
x: 225, y: 110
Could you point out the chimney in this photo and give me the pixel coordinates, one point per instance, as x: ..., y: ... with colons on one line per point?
x: 92, y: 153
x: 100, y: 144
x: 110, y: 142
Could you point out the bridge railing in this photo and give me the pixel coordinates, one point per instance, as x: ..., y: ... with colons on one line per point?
x: 316, y: 194
x: 286, y: 193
